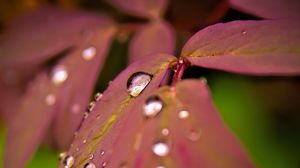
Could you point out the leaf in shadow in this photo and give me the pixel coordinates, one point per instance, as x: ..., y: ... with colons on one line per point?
x: 155, y: 37
x: 269, y: 9
x: 248, y: 47
x: 100, y: 131
x: 141, y: 8
x: 66, y: 91
x: 31, y: 41
x: 39, y: 36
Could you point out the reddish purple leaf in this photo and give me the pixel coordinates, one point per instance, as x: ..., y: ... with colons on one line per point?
x: 123, y: 136
x: 248, y: 47
x: 113, y: 113
x: 141, y: 8
x: 155, y: 37
x: 30, y: 124
x: 64, y: 94
x: 39, y: 36
x: 270, y: 9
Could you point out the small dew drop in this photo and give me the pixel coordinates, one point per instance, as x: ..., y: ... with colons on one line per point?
x: 50, y: 99
x: 84, y: 141
x: 91, y: 156
x: 160, y: 149
x: 98, y: 96
x: 137, y: 83
x: 91, y: 106
x: 85, y: 115
x: 203, y: 80
x: 89, y: 165
x: 152, y: 107
x: 59, y: 75
x: 165, y: 131
x: 62, y: 155
x: 244, y: 32
x: 102, y: 152
x: 75, y: 109
x: 69, y: 161
x: 160, y: 166
x: 183, y: 114
x: 104, y: 164
x: 89, y: 53
x: 194, y: 134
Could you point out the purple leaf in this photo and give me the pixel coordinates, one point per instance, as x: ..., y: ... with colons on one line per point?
x: 114, y: 112
x: 155, y: 37
x: 39, y: 36
x: 126, y: 135
x: 141, y: 8
x: 248, y: 47
x: 58, y: 99
x: 270, y: 9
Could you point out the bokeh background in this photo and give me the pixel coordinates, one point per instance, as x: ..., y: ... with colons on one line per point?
x: 264, y: 112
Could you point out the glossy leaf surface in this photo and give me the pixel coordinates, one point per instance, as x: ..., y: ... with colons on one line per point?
x: 113, y: 113
x: 248, y: 47
x: 269, y: 9
x: 141, y: 8
x: 155, y: 37
x: 128, y: 139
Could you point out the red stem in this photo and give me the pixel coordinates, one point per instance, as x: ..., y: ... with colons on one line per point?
x: 181, y: 66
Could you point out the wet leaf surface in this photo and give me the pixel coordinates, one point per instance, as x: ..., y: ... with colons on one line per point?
x: 155, y: 37
x: 113, y: 113
x: 248, y: 47
x: 269, y: 9
x: 141, y: 8
x: 58, y: 98
x: 185, y: 133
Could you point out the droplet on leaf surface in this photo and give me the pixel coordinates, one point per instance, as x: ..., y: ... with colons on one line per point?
x: 69, y: 161
x: 89, y: 53
x: 183, y: 114
x: 137, y: 83
x: 59, y: 75
x: 160, y: 149
x: 89, y: 165
x: 50, y: 99
x: 152, y: 107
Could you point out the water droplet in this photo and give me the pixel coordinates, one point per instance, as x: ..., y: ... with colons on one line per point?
x: 98, y: 96
x: 165, y: 131
x: 104, y: 164
x: 160, y: 149
x: 91, y: 156
x: 91, y: 106
x: 59, y: 75
x: 137, y: 83
x: 152, y: 107
x: 84, y: 141
x: 85, y: 115
x: 88, y: 53
x: 89, y: 165
x: 50, y: 99
x: 180, y: 61
x: 69, y: 161
x: 160, y: 166
x: 183, y: 114
x: 244, y: 32
x: 203, y: 80
x: 62, y: 155
x: 75, y: 109
x: 102, y: 152
x: 194, y: 134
